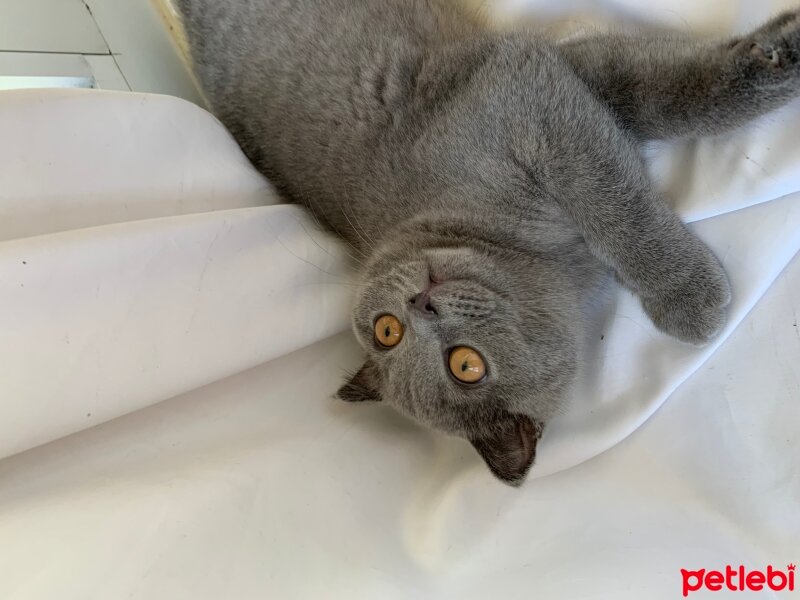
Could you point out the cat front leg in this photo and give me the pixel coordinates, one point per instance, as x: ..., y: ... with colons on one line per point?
x: 582, y: 160
x: 667, y: 86
x: 682, y: 286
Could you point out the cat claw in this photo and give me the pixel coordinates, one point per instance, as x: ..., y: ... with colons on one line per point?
x: 778, y: 42
x: 771, y: 56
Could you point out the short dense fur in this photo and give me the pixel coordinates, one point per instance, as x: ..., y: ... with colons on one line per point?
x: 498, y: 172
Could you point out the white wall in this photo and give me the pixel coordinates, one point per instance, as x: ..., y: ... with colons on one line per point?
x: 108, y: 44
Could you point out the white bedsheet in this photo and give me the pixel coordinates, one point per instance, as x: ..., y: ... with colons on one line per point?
x: 143, y: 258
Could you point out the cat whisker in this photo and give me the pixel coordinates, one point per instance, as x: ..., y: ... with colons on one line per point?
x: 372, y: 244
x: 353, y: 286
x: 318, y: 245
x: 308, y: 201
x: 355, y: 229
x: 308, y: 262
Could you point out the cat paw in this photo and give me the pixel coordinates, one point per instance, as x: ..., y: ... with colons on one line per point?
x: 776, y: 45
x: 693, y: 311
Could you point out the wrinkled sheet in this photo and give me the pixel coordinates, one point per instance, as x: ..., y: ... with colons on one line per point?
x: 171, y: 335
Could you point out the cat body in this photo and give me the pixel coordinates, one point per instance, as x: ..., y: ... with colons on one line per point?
x: 490, y: 183
x: 399, y: 113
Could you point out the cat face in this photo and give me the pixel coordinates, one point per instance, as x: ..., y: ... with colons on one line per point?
x: 452, y: 343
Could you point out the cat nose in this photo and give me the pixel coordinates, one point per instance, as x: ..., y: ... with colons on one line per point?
x: 423, y: 303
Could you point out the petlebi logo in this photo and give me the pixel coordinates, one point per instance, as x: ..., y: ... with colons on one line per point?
x: 739, y: 579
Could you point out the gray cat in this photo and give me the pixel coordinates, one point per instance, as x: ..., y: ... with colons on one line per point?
x: 491, y: 180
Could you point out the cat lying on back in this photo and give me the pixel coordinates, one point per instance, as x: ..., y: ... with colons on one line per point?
x: 491, y: 180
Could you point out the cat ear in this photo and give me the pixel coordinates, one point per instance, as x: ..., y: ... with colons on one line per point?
x: 363, y: 386
x: 510, y: 450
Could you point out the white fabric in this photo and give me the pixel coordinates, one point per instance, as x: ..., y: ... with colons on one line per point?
x: 144, y: 258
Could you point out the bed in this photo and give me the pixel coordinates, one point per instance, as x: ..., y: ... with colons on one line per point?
x: 171, y: 334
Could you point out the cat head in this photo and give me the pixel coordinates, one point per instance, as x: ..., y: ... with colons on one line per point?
x: 467, y: 338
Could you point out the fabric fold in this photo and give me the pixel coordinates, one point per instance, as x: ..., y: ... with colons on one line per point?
x: 142, y: 257
x: 103, y: 321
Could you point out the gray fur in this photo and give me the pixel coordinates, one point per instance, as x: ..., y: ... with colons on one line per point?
x: 498, y: 171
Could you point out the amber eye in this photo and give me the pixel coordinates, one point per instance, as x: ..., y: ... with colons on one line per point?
x: 388, y: 331
x: 467, y: 365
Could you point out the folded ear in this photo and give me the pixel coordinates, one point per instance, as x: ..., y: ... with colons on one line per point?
x: 510, y: 450
x: 363, y: 386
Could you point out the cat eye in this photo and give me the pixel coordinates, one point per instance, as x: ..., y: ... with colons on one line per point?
x: 388, y: 331
x: 466, y: 365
